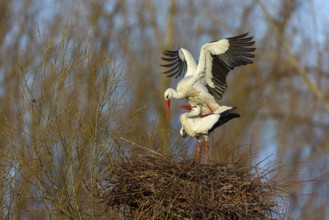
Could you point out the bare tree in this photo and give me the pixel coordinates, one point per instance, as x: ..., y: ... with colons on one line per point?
x: 81, y: 81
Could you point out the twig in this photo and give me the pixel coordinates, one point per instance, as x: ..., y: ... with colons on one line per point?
x: 137, y: 145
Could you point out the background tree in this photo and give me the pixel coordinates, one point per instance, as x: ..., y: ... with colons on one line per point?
x: 81, y: 79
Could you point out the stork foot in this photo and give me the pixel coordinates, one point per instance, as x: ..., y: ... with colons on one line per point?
x: 205, y: 115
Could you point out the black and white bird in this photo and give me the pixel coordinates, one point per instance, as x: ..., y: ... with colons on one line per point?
x: 198, y: 127
x: 205, y: 82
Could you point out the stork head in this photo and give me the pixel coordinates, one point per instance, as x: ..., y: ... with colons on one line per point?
x: 168, y: 95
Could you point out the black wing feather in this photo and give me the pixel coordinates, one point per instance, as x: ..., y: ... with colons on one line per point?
x: 224, y: 117
x: 168, y: 59
x: 174, y: 62
x: 238, y: 53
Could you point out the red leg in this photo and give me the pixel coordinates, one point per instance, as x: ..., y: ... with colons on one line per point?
x: 211, y: 111
x: 204, y: 115
x: 207, y: 152
x: 197, y: 151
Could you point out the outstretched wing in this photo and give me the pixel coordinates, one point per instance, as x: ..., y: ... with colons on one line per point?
x: 175, y: 61
x: 217, y: 58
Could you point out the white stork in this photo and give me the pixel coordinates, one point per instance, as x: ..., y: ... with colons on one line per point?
x: 201, y: 127
x: 205, y: 82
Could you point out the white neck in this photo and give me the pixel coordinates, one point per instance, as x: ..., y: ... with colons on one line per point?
x: 175, y: 94
x: 193, y: 113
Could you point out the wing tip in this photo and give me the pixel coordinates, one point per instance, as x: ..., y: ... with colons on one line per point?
x: 243, y: 36
x: 174, y: 63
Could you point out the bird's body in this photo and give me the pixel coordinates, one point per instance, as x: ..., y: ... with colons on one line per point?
x: 197, y: 94
x: 201, y: 127
x: 195, y: 126
x: 206, y: 81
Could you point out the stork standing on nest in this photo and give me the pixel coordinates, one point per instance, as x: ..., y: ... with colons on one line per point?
x: 201, y: 127
x: 206, y: 81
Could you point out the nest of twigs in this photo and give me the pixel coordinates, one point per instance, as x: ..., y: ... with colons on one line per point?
x: 154, y: 187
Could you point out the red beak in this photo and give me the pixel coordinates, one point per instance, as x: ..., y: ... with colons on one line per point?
x: 188, y: 107
x: 168, y: 108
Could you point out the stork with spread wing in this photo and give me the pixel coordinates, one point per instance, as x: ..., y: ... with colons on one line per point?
x: 205, y: 82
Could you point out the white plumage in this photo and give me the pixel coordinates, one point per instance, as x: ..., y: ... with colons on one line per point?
x: 198, y: 127
x: 205, y: 82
